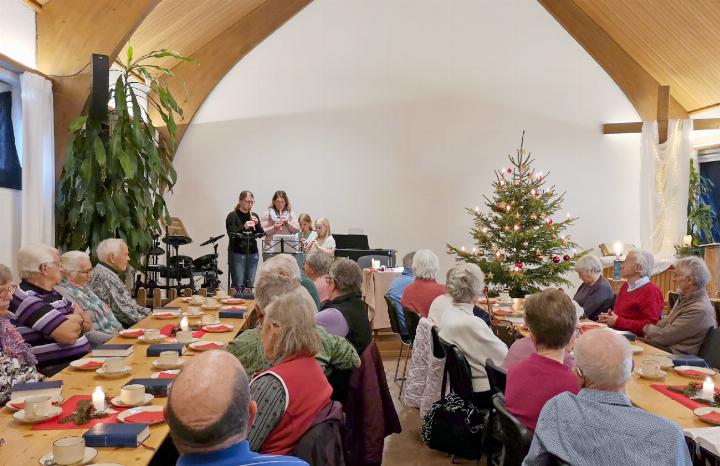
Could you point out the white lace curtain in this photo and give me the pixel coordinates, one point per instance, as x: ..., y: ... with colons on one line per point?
x: 664, y: 179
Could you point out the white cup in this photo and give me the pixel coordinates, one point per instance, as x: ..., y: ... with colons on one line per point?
x: 152, y: 333
x: 168, y: 358
x: 196, y: 299
x: 193, y: 310
x: 210, y: 319
x: 133, y: 394
x: 211, y: 302
x: 183, y: 336
x: 220, y: 293
x: 114, y: 365
x: 68, y: 450
x: 650, y: 366
x: 38, y: 406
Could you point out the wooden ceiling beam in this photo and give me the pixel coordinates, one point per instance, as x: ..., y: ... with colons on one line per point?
x: 637, y: 84
x: 67, y: 36
x: 213, y: 60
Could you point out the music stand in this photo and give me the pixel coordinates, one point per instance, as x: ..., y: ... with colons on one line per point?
x: 279, y: 242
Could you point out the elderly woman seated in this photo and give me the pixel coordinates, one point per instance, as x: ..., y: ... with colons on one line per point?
x: 550, y: 317
x: 460, y: 327
x: 420, y: 294
x: 316, y: 267
x: 17, y: 362
x: 107, y: 285
x: 77, y: 271
x: 595, y: 295
x: 50, y: 324
x: 684, y: 329
x: 290, y: 394
x: 639, y: 301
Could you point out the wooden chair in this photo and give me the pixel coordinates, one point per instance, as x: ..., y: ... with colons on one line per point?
x: 171, y: 295
x: 202, y: 292
x: 232, y: 292
x: 141, y: 297
x: 157, y: 298
x: 187, y: 292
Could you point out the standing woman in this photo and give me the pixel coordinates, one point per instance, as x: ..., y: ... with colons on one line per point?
x: 324, y: 241
x: 242, y: 250
x: 279, y: 219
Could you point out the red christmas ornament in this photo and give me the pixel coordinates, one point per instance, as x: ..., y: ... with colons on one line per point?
x: 556, y: 259
x: 566, y: 258
x: 519, y: 265
x: 509, y: 170
x: 548, y: 221
x: 485, y: 290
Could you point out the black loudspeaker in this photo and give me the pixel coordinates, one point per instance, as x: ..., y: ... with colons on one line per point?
x: 100, y: 94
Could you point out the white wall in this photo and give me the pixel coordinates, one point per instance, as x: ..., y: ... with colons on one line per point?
x: 391, y: 116
x: 17, y: 41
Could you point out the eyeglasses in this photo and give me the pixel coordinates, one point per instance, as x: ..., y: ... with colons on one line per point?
x: 84, y: 272
x: 248, y: 201
x: 8, y: 291
x: 55, y: 263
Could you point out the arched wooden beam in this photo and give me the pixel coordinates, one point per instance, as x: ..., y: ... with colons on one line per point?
x: 213, y: 60
x: 637, y: 84
x: 68, y: 33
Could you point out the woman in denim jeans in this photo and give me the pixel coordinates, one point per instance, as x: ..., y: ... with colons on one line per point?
x: 242, y: 250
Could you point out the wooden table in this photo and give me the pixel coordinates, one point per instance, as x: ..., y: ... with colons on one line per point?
x: 24, y: 447
x: 647, y: 398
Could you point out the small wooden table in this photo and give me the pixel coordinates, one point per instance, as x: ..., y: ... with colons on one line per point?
x: 25, y: 447
x: 375, y: 285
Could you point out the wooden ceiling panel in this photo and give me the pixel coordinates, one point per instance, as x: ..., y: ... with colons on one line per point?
x: 186, y: 25
x: 676, y: 42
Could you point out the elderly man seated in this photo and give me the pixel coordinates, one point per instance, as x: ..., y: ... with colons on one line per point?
x: 683, y: 330
x: 209, y: 413
x: 639, y: 302
x: 114, y: 258
x: 50, y: 324
x: 276, y: 277
x: 397, y: 288
x: 77, y: 271
x: 599, y: 425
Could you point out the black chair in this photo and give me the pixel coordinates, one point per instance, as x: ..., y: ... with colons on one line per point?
x: 673, y: 296
x: 458, y: 371
x: 710, y: 349
x: 437, y: 347
x: 412, y: 319
x: 496, y: 376
x: 516, y: 438
x: 365, y: 261
x: 404, y: 342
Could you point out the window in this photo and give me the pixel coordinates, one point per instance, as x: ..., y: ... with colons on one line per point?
x: 10, y: 170
x: 709, y: 162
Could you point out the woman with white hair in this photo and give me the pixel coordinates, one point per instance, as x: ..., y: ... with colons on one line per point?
x: 595, y: 295
x: 683, y: 330
x: 419, y: 295
x: 77, y: 270
x: 639, y: 301
x: 460, y: 327
x: 105, y: 282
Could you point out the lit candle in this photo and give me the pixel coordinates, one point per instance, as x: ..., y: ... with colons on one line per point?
x: 477, y: 209
x: 708, y: 389
x: 98, y: 399
x: 687, y: 241
x: 618, y: 249
x: 184, y: 324
x: 462, y: 248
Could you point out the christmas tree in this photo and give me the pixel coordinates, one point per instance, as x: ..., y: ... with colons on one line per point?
x: 519, y: 246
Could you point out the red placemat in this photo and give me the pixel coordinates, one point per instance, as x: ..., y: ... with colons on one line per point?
x: 134, y: 333
x: 147, y: 417
x: 92, y: 365
x: 165, y: 375
x: 208, y: 346
x: 196, y: 333
x: 219, y: 327
x: 679, y: 397
x: 67, y: 409
x: 712, y: 416
x: 693, y: 373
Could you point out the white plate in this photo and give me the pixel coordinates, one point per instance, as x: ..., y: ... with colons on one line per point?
x: 58, y: 399
x: 90, y: 454
x: 232, y: 301
x: 166, y: 315
x: 659, y: 376
x: 156, y: 364
x: 706, y: 410
x: 235, y: 307
x: 591, y: 324
x: 206, y: 306
x: 219, y: 328
x: 128, y: 331
x: 707, y: 372
x: 156, y: 375
x: 174, y: 340
x: 192, y: 316
x: 118, y: 402
x: 110, y: 375
x: 636, y: 349
x: 121, y: 417
x: 194, y: 346
x: 20, y: 415
x: 145, y: 339
x: 78, y: 363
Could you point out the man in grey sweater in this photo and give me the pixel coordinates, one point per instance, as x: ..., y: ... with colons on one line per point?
x: 683, y: 330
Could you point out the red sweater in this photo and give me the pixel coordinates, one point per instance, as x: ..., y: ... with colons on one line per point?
x: 635, y: 309
x: 419, y: 295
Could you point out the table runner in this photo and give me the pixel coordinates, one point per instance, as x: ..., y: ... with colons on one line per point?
x: 68, y: 407
x: 679, y: 397
x: 166, y: 331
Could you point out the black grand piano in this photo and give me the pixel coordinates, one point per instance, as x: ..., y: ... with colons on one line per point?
x: 357, y: 248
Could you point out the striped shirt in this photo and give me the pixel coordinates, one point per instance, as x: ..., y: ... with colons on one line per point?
x: 38, y: 313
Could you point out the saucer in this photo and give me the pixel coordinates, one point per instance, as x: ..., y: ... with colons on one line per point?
x: 174, y: 340
x: 694, y: 372
x: 132, y: 411
x: 103, y: 373
x: 187, y: 314
x: 704, y: 411
x: 207, y: 306
x: 658, y: 376
x: 166, y: 315
x: 90, y: 454
x: 156, y: 375
x: 156, y: 364
x: 20, y: 416
x: 118, y: 402
x: 78, y: 363
x: 145, y: 339
x: 218, y: 328
x: 636, y: 349
x: 198, y: 345
x: 132, y: 332
x: 19, y: 403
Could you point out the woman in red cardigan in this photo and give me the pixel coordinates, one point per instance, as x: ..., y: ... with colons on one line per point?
x: 639, y: 301
x: 290, y: 394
